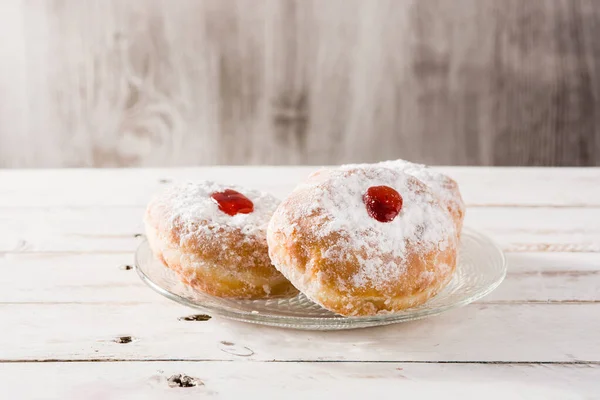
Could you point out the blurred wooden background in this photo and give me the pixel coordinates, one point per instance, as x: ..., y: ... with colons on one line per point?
x: 185, y: 82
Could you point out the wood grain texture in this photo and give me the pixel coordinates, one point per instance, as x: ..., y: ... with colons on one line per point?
x: 81, y: 324
x: 158, y: 83
x: 295, y: 381
x: 90, y: 331
x: 493, y: 187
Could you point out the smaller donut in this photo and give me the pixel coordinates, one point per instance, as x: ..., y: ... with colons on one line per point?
x: 442, y: 185
x: 214, y: 237
x: 362, y: 240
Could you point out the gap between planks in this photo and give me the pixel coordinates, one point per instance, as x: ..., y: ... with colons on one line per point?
x: 117, y: 360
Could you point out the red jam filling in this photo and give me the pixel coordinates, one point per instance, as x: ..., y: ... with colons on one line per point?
x: 232, y: 202
x: 383, y: 203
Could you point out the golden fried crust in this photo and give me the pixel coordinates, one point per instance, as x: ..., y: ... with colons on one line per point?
x: 297, y: 251
x: 227, y: 264
x: 300, y: 253
x: 455, y: 206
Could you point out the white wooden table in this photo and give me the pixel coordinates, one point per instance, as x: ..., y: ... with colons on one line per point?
x: 69, y: 303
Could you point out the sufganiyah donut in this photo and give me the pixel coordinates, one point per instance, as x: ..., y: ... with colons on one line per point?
x: 214, y: 237
x: 364, y: 239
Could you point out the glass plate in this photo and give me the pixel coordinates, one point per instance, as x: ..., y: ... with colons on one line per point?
x: 481, y: 268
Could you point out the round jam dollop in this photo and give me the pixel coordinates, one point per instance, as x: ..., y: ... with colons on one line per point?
x: 383, y: 203
x: 232, y: 202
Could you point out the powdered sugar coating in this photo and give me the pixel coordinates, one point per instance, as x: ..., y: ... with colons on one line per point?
x: 189, y: 208
x: 442, y: 185
x: 333, y: 200
x: 213, y: 252
x: 436, y: 180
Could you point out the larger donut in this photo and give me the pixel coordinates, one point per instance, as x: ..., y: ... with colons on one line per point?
x: 324, y: 241
x: 214, y: 252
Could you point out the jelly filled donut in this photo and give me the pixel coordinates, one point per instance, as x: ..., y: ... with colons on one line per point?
x: 360, y: 240
x: 441, y: 185
x: 214, y: 237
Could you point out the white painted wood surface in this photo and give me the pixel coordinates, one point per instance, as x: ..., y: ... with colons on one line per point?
x: 65, y: 296
x: 480, y: 187
x: 507, y: 333
x: 230, y: 380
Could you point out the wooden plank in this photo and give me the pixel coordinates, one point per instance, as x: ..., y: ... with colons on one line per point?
x: 550, y: 277
x: 499, y: 187
x: 479, y: 332
x: 150, y: 380
x: 115, y: 229
x: 539, y: 229
x: 102, y: 278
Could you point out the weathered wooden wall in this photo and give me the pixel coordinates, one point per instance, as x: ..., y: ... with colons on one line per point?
x: 184, y: 82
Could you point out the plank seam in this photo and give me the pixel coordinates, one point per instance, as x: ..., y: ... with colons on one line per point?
x: 116, y: 360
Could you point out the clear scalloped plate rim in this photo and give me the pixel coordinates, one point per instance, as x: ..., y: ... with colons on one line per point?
x: 338, y: 322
